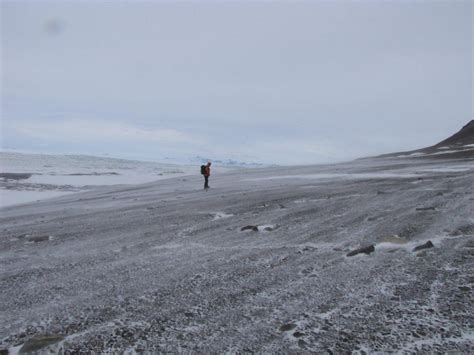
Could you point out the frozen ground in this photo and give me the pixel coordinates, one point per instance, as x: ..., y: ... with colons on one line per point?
x: 165, y: 266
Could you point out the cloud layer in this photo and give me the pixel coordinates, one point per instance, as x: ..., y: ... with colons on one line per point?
x: 281, y: 82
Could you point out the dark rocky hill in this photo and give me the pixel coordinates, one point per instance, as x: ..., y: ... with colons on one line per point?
x: 459, y: 146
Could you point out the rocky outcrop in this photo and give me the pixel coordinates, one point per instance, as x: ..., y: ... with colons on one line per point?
x: 365, y: 250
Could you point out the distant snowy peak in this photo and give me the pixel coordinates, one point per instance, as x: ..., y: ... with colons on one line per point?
x: 459, y: 146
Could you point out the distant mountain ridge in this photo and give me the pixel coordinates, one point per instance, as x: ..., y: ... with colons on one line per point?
x: 458, y: 146
x: 464, y: 137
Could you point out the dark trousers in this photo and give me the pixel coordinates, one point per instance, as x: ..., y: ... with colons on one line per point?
x: 206, y: 182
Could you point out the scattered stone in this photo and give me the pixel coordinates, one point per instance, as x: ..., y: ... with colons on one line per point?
x: 287, y: 327
x: 298, y: 334
x: 189, y: 314
x: 427, y: 245
x: 302, y: 343
x: 364, y: 250
x: 426, y: 209
x: 465, y: 288
x: 39, y: 342
x: 469, y: 244
x: 455, y: 233
x: 249, y: 228
x: 43, y: 238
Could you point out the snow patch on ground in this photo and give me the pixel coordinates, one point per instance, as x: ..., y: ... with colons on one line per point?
x: 349, y: 176
x: 220, y: 215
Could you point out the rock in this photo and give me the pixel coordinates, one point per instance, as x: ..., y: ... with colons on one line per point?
x: 3, y: 351
x: 298, y: 334
x: 455, y: 233
x: 426, y: 209
x: 249, y: 228
x: 43, y: 238
x: 302, y: 343
x: 364, y: 250
x: 427, y: 245
x: 267, y: 229
x: 287, y: 327
x: 469, y: 244
x: 39, y: 342
x: 422, y: 254
x: 465, y: 288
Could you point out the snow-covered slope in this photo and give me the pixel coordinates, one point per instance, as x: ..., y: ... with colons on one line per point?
x: 166, y: 267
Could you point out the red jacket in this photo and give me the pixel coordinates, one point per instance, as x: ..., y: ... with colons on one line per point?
x: 208, y: 171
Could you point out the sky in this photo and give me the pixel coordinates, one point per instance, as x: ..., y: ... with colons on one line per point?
x: 271, y: 82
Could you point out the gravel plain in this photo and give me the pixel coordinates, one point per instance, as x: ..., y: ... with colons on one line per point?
x: 165, y: 266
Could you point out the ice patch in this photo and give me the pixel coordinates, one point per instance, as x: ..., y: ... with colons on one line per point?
x: 450, y: 152
x: 220, y: 215
x: 266, y: 227
x: 14, y: 197
x: 450, y: 169
x: 349, y: 176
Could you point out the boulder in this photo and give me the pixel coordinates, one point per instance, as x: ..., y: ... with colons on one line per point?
x: 287, y: 327
x: 249, y: 228
x: 365, y: 250
x: 427, y: 245
x: 426, y: 209
x: 39, y: 239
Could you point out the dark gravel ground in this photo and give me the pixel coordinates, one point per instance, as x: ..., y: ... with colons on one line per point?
x: 165, y: 266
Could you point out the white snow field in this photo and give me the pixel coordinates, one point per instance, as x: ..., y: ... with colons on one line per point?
x: 32, y: 177
x: 165, y: 267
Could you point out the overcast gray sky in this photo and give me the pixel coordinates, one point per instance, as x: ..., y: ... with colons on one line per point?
x: 274, y: 82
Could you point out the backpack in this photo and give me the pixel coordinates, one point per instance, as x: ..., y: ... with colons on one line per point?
x: 203, y: 169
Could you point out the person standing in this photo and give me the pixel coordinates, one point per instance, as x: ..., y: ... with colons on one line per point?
x: 207, y: 173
